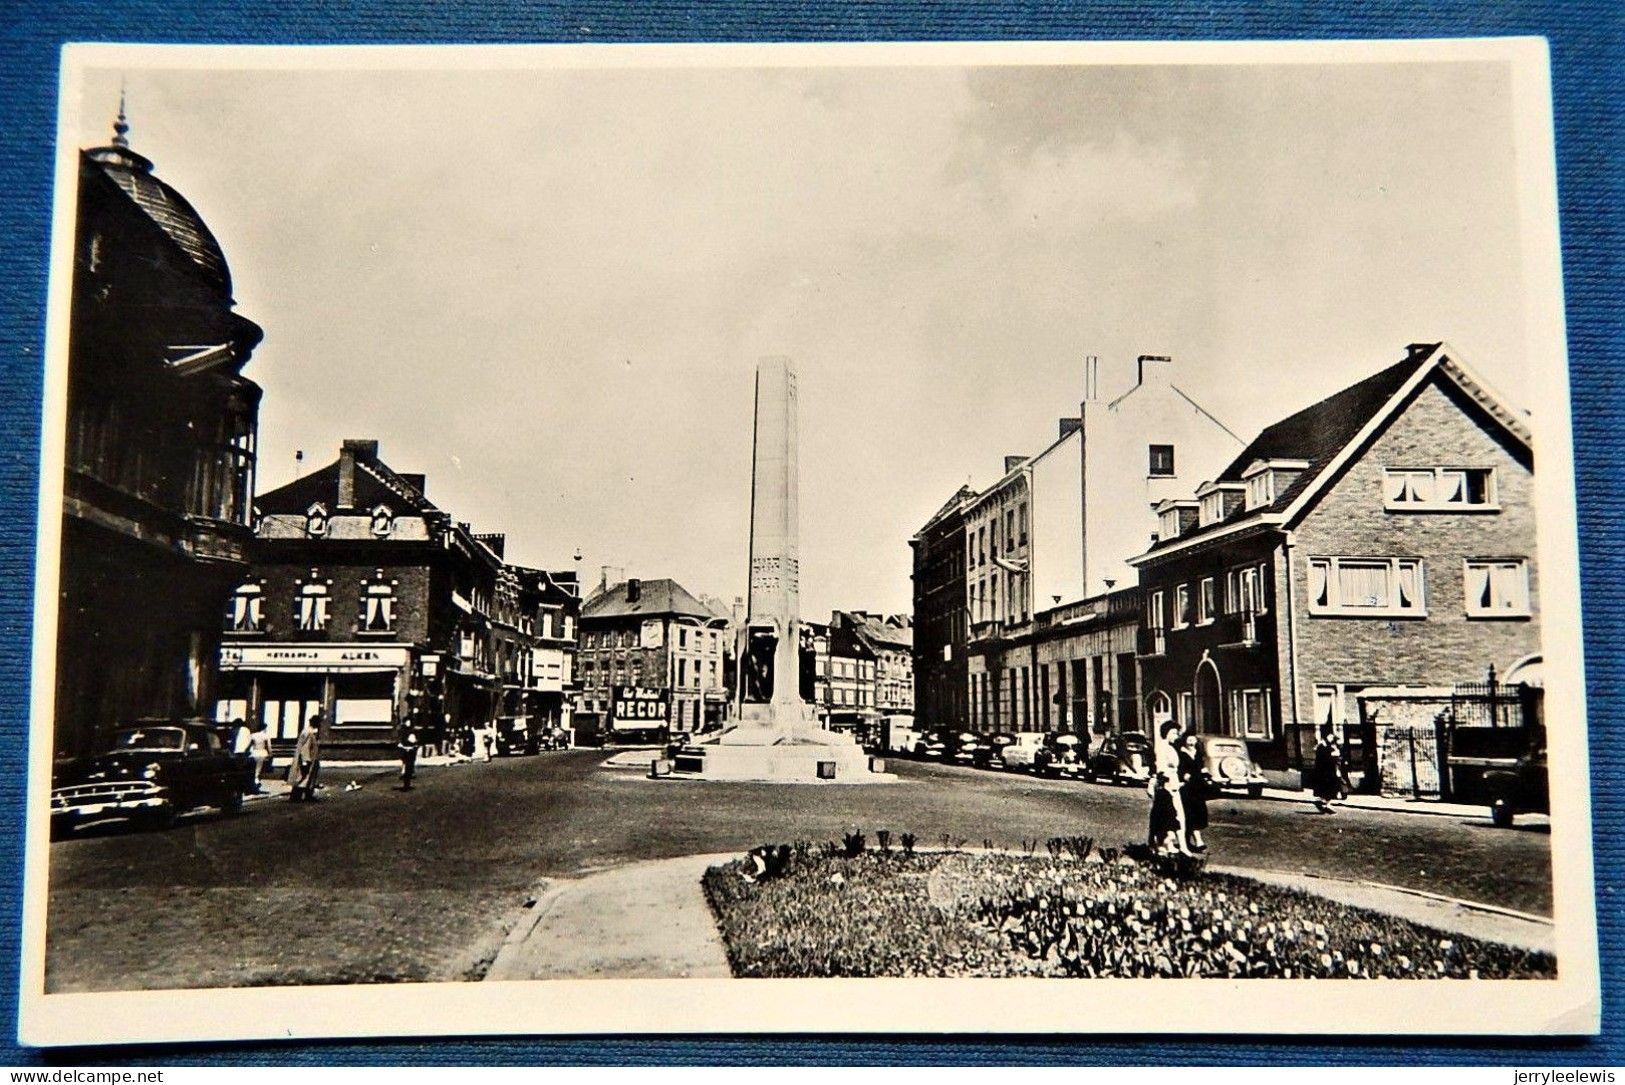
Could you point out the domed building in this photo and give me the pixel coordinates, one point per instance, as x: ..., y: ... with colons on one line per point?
x: 160, y: 456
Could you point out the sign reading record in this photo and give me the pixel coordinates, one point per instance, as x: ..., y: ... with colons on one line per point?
x: 633, y: 707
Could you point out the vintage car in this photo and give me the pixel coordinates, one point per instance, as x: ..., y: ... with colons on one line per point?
x: 1124, y: 758
x: 962, y: 746
x: 1062, y: 754
x: 516, y: 735
x: 1228, y: 764
x: 148, y: 774
x: 1019, y: 754
x: 930, y: 745
x: 991, y: 753
x: 1521, y: 789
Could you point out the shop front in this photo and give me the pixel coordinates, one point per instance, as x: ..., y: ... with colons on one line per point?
x: 361, y: 689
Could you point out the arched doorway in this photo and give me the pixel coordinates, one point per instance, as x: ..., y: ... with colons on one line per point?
x: 1207, y: 701
x: 1157, y: 706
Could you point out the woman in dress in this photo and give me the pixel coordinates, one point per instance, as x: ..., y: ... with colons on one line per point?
x: 1193, y: 792
x: 1328, y: 771
x: 1167, y: 832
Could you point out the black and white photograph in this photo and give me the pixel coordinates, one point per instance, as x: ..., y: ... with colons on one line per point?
x: 1027, y: 538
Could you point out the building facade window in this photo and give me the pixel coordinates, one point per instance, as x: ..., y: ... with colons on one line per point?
x: 378, y: 606
x: 1260, y: 489
x: 1161, y: 463
x: 1250, y: 714
x: 1497, y: 588
x: 311, y: 607
x: 1206, y: 610
x: 1182, y: 606
x: 383, y: 521
x: 1156, y: 620
x: 1391, y: 587
x: 1443, y: 488
x: 247, y: 614
x: 316, y: 520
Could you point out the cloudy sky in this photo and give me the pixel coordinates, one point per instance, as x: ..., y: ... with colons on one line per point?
x: 548, y: 289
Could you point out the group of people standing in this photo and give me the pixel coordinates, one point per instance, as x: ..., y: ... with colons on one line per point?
x: 1179, y: 789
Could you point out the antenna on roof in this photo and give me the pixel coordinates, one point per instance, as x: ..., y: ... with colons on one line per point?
x: 121, y: 126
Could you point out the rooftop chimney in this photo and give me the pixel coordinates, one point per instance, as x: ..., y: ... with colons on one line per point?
x: 1013, y: 462
x: 1154, y: 368
x: 349, y: 451
x: 634, y: 590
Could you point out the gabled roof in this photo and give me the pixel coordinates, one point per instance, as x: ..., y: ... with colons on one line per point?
x: 655, y: 597
x: 1325, y: 435
x: 375, y: 484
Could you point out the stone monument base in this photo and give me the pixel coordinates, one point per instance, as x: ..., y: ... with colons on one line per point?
x: 798, y: 753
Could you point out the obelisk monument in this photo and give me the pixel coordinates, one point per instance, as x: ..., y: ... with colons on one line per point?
x: 770, y: 644
x: 775, y: 736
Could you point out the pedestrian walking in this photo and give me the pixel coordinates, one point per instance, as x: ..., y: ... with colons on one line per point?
x: 1166, y: 835
x: 1327, y: 775
x: 407, y: 741
x: 259, y: 752
x: 307, y: 760
x: 1194, y: 790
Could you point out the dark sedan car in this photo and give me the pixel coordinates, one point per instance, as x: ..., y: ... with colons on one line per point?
x: 964, y: 747
x: 1522, y: 789
x: 150, y: 773
x: 930, y: 746
x: 1124, y: 758
x: 991, y: 753
x: 1062, y: 754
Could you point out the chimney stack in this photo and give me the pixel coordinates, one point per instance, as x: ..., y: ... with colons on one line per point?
x: 1155, y: 368
x: 1070, y: 426
x: 349, y: 451
x: 1013, y: 462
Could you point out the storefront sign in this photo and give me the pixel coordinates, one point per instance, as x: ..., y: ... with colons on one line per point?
x: 652, y: 634
x: 634, y: 707
x: 312, y: 658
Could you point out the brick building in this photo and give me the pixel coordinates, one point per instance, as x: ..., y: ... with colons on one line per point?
x: 940, y: 624
x: 890, y: 639
x: 1381, y: 539
x: 653, y: 640
x: 368, y: 601
x: 160, y: 454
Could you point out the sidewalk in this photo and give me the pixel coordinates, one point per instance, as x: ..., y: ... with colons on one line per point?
x: 646, y: 920
x: 650, y: 920
x: 1396, y: 805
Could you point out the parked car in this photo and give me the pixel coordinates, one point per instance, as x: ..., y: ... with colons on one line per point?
x: 1062, y: 754
x: 1124, y: 758
x: 1228, y: 764
x: 931, y: 745
x: 1521, y: 789
x: 1019, y: 754
x: 149, y: 773
x: 963, y: 747
x: 516, y: 735
x: 991, y: 753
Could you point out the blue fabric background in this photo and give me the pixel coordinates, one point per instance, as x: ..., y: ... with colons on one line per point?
x: 1586, y: 39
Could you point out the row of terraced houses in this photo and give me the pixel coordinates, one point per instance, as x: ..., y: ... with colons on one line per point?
x: 1358, y: 563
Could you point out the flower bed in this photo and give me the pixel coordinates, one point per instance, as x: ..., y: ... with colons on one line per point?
x: 956, y: 914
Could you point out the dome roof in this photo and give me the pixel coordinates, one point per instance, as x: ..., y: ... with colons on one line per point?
x: 166, y: 208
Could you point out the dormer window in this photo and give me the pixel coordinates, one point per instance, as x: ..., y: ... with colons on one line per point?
x: 316, y: 520
x: 383, y: 521
x: 1266, y: 480
x: 1168, y: 523
x: 1261, y: 490
x: 1439, y: 488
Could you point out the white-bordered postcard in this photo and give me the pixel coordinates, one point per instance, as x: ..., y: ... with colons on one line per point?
x: 974, y: 538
